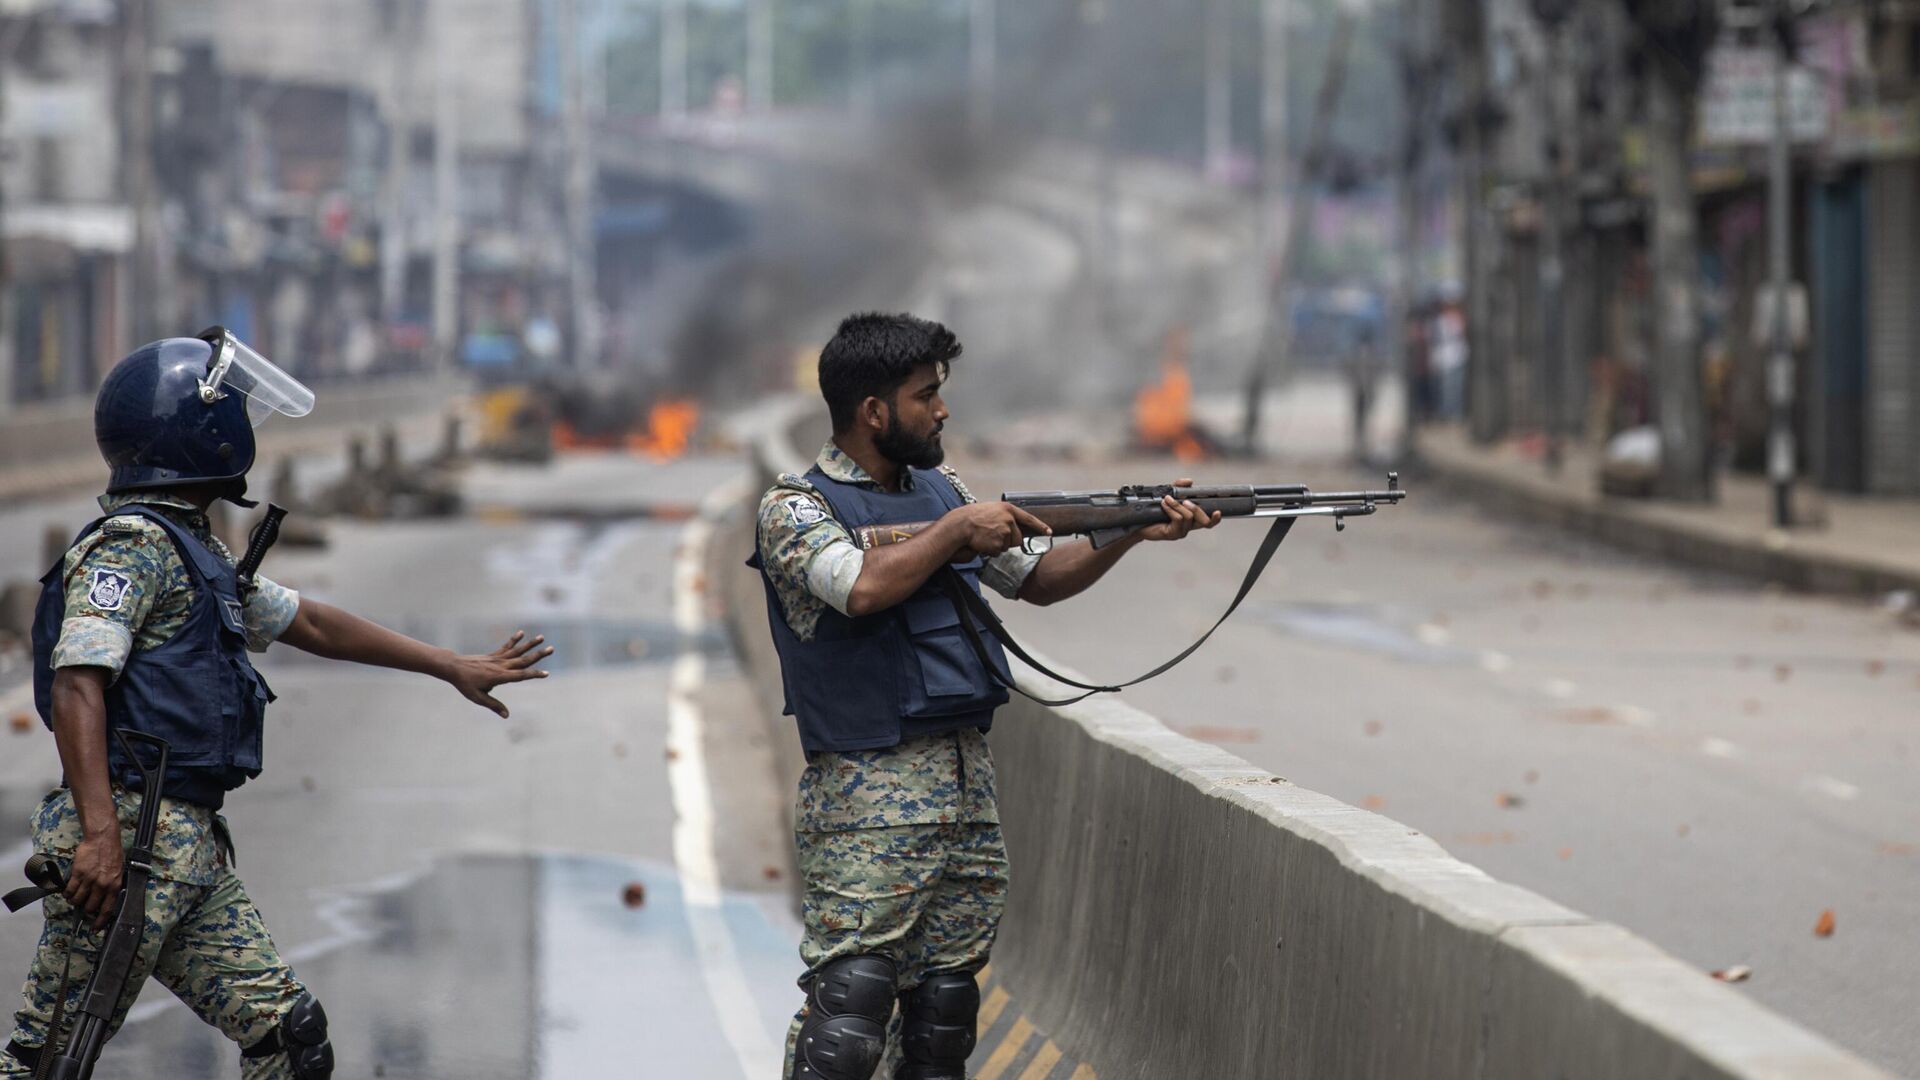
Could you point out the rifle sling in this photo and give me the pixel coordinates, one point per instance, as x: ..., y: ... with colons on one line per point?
x: 969, y: 605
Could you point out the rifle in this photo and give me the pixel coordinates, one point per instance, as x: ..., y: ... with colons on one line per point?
x: 108, y: 983
x: 1106, y: 516
x: 262, y: 538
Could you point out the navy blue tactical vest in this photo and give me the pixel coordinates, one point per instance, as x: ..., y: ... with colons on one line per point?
x: 871, y: 682
x: 197, y: 690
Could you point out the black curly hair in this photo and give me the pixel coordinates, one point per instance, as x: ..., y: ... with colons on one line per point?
x: 872, y: 354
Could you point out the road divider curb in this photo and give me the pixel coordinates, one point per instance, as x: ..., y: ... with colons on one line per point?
x: 1177, y: 912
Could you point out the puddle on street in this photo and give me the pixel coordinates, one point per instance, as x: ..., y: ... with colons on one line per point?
x: 1358, y: 628
x: 504, y: 967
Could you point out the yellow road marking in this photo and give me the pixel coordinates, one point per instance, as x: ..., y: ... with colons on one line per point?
x: 990, y: 1008
x: 1084, y: 1072
x: 1009, y: 1048
x: 1042, y: 1063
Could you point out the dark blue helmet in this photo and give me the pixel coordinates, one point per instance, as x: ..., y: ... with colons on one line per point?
x: 155, y: 430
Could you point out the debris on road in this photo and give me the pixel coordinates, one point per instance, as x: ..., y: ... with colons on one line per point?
x: 1507, y: 800
x: 634, y: 895
x: 1734, y: 974
x: 1824, y: 928
x: 20, y: 723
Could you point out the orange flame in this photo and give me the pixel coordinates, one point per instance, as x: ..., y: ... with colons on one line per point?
x: 670, y: 427
x: 1163, y: 412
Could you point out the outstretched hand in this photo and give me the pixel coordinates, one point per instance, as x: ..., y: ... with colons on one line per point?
x: 513, y: 662
x: 1182, y: 517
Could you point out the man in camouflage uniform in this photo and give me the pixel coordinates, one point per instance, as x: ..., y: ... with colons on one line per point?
x: 137, y: 585
x: 898, y: 835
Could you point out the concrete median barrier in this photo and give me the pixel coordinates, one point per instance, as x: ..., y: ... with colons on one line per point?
x: 1178, y: 913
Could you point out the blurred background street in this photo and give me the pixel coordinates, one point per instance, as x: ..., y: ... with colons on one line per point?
x: 1625, y: 291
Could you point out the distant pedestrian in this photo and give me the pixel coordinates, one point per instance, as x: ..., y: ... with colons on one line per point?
x: 1363, y: 375
x: 903, y: 864
x: 145, y: 625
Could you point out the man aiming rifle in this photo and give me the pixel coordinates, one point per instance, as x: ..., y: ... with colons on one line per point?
x: 892, y: 663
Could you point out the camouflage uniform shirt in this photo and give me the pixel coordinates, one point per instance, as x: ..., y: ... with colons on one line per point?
x: 128, y: 589
x: 812, y: 562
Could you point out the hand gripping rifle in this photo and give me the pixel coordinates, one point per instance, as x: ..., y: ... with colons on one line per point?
x: 1106, y: 516
x: 113, y: 968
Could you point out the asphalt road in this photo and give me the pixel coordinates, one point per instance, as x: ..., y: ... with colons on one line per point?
x: 1707, y: 762
x: 454, y: 886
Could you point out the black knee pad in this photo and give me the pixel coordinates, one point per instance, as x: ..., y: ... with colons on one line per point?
x: 937, y: 1032
x: 302, y: 1036
x: 845, y: 1033
x: 26, y: 1055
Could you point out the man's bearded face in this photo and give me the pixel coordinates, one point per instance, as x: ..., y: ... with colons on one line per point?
x: 914, y: 446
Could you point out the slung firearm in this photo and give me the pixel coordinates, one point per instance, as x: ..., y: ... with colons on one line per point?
x: 1106, y: 516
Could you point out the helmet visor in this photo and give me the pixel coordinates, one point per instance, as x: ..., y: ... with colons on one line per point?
x: 238, y: 369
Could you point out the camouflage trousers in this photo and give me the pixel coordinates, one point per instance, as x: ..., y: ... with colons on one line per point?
x: 927, y: 897
x: 205, y: 943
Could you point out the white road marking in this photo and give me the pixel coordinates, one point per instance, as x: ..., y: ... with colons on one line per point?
x: 1560, y: 689
x: 693, y: 829
x: 1827, y: 785
x: 1720, y: 748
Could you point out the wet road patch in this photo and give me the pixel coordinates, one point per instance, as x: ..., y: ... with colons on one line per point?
x: 1360, y: 628
x: 507, y: 967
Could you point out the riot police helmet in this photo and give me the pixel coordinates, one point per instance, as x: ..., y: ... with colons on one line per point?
x: 181, y: 411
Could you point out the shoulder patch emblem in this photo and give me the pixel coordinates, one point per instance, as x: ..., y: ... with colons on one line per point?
x: 109, y: 590
x: 804, y: 512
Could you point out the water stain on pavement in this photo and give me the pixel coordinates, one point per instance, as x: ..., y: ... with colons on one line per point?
x: 1360, y: 628
x: 503, y: 967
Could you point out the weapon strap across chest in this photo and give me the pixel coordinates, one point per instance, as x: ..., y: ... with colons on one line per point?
x: 967, y: 602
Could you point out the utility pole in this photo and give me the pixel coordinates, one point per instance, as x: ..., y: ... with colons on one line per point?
x: 1278, y: 343
x: 1486, y: 397
x: 402, y: 49
x: 1218, y: 117
x: 673, y: 59
x: 1275, y: 19
x: 446, y: 191
x: 983, y: 62
x: 582, y: 278
x: 1780, y: 449
x: 135, y: 62
x: 760, y: 56
x: 1416, y: 66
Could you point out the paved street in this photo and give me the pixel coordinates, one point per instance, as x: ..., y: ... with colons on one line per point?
x: 1709, y: 763
x: 454, y: 886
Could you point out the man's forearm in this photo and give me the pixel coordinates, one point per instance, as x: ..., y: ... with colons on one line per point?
x: 325, y: 630
x: 892, y: 572
x: 1071, y: 569
x: 80, y: 735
